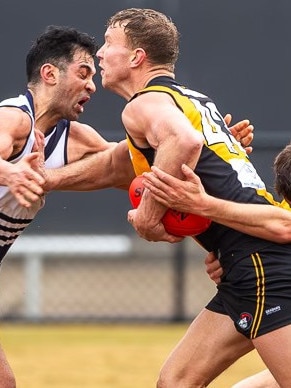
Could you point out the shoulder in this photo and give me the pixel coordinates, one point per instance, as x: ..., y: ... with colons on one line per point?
x: 84, y: 131
x: 152, y: 95
x: 16, y: 121
x: 83, y: 140
x: 147, y: 105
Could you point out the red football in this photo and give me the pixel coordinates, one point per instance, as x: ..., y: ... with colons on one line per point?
x: 177, y: 223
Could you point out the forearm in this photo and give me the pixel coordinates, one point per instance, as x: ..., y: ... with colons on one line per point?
x: 109, y: 168
x: 170, y: 158
x: 77, y: 176
x: 265, y: 221
x: 172, y: 154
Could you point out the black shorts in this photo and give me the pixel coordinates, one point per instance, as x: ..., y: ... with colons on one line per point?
x: 256, y: 292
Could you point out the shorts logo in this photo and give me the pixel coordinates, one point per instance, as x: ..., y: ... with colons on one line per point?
x: 245, y: 321
x: 273, y: 310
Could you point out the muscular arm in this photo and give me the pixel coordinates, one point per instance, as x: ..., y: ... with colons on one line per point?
x: 93, y: 163
x: 109, y: 167
x: 154, y: 120
x: 265, y: 221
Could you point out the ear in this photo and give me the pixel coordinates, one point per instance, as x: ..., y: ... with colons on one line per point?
x: 49, y: 73
x: 138, y: 56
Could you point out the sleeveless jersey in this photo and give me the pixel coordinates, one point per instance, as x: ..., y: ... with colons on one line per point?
x: 14, y: 218
x: 223, y: 167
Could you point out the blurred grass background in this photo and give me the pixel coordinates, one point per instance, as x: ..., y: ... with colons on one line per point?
x: 99, y: 355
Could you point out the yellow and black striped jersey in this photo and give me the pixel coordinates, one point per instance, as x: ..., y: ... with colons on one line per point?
x: 224, y: 167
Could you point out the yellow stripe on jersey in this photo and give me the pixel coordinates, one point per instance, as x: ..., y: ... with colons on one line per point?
x: 205, y: 118
x: 139, y: 161
x: 183, y: 102
x: 202, y: 120
x: 261, y: 293
x: 269, y: 197
x: 285, y: 205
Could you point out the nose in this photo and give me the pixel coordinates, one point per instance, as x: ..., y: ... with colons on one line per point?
x: 91, y: 87
x: 99, y: 52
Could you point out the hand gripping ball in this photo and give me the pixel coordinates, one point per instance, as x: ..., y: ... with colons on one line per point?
x: 175, y: 222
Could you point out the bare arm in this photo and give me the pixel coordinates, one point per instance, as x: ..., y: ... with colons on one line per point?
x: 22, y: 178
x: 93, y: 163
x: 265, y: 221
x: 110, y: 167
x: 166, y: 133
x: 153, y: 120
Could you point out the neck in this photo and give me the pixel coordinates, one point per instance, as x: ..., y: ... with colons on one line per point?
x: 160, y: 74
x: 139, y: 81
x: 45, y: 119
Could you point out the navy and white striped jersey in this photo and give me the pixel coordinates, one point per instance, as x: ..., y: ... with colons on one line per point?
x: 14, y: 218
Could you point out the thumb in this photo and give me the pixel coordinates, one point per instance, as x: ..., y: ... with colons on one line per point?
x: 228, y: 119
x: 130, y: 215
x: 249, y: 150
x: 188, y: 172
x: 31, y: 157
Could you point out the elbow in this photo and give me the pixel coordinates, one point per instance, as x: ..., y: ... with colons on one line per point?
x: 196, y: 148
x: 193, y: 145
x: 198, y: 143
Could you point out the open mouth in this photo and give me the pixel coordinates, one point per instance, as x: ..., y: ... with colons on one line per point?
x: 82, y: 102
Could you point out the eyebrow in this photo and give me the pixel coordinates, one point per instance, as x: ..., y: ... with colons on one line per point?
x: 87, y: 67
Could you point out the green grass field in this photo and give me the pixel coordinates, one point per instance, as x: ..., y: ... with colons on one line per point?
x: 99, y: 356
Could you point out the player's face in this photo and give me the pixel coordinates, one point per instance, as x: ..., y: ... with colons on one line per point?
x: 114, y: 59
x: 75, y: 85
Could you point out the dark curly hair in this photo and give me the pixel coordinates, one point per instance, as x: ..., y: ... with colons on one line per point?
x: 57, y: 45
